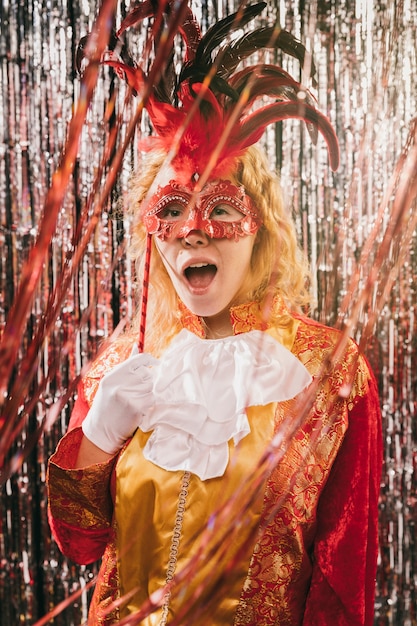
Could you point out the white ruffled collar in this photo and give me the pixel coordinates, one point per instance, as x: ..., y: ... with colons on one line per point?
x: 201, y: 388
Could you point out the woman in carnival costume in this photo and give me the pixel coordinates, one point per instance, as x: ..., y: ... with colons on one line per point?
x: 228, y: 473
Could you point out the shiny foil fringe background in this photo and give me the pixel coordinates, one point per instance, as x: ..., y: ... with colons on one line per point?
x: 365, y: 53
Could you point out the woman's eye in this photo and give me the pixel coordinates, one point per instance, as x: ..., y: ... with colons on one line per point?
x: 225, y: 213
x: 171, y: 212
x: 218, y: 211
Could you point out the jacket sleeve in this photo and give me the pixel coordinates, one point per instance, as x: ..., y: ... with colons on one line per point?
x: 79, y: 500
x: 346, y: 546
x: 80, y: 409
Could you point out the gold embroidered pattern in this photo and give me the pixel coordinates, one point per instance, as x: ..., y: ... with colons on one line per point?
x: 190, y: 321
x: 102, y: 610
x: 112, y: 356
x: 315, y: 346
x: 79, y: 496
x: 280, y: 563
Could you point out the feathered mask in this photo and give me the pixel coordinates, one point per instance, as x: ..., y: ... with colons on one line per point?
x: 203, y: 111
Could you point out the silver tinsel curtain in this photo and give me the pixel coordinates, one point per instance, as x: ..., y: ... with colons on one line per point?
x: 357, y: 226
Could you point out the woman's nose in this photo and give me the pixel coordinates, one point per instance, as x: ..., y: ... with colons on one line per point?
x: 196, y: 238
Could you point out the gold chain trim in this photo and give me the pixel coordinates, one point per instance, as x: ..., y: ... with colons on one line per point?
x: 175, y: 544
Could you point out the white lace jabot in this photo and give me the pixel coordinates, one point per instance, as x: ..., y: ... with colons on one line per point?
x: 201, y: 388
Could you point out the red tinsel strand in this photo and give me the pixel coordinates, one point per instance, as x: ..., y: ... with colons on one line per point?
x: 145, y: 290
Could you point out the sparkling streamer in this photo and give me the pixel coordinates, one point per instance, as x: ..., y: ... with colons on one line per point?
x: 367, y: 84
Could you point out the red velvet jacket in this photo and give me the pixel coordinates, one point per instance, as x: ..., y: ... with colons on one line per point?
x: 314, y: 562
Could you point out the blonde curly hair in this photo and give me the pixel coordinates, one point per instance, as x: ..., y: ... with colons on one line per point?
x: 278, y: 265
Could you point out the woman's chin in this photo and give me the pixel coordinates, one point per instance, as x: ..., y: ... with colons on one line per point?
x: 203, y: 305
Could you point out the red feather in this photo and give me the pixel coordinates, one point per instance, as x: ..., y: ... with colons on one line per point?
x: 204, y: 117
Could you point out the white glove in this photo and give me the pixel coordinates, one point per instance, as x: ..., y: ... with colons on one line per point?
x: 123, y: 395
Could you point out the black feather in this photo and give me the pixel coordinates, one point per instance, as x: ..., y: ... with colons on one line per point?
x: 268, y: 80
x: 216, y: 35
x: 271, y: 37
x: 166, y: 87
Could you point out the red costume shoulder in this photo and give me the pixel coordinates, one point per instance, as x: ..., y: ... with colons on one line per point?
x: 113, y: 354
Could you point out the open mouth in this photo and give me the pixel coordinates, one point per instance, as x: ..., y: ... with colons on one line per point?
x: 200, y: 275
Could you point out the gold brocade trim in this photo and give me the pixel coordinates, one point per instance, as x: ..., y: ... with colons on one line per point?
x: 274, y: 318
x: 315, y: 345
x: 103, y: 611
x: 114, y: 354
x: 79, y: 496
x: 79, y: 499
x: 190, y: 321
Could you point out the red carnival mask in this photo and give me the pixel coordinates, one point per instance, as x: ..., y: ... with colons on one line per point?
x: 175, y: 210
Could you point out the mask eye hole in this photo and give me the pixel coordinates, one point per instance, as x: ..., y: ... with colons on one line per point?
x: 224, y: 212
x: 172, y: 212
